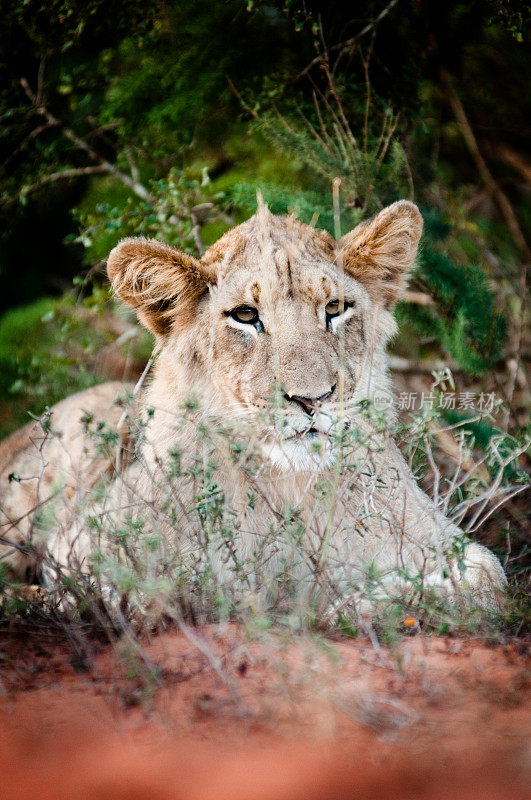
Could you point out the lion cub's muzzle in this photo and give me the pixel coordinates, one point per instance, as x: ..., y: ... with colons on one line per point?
x: 309, y: 404
x: 309, y: 423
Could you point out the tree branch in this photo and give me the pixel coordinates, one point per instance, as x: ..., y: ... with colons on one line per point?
x: 81, y: 144
x: 514, y: 159
x: 511, y: 221
x: 64, y: 175
x: 399, y: 364
x: 499, y: 195
x: 34, y: 133
x: 349, y: 43
x: 418, y: 298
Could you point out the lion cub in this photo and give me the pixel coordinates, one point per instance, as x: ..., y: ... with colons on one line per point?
x: 279, y: 333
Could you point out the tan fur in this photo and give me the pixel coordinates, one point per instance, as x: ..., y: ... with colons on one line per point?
x: 288, y: 272
x: 13, y: 444
x: 35, y: 465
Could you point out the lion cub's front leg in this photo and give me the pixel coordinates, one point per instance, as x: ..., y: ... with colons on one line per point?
x: 423, y: 548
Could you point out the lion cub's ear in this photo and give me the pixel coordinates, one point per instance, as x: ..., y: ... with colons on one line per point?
x: 379, y: 253
x: 159, y: 282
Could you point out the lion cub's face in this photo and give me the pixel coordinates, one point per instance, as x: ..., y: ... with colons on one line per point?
x: 275, y: 310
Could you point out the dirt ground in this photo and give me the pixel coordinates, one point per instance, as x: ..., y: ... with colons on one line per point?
x: 211, y: 715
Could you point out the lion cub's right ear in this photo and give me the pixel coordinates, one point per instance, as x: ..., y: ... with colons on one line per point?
x: 379, y: 252
x: 161, y: 283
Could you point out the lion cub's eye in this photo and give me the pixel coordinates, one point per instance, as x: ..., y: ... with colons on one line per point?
x: 334, y: 308
x: 245, y: 314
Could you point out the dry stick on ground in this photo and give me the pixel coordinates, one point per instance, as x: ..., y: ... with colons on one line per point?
x: 509, y: 216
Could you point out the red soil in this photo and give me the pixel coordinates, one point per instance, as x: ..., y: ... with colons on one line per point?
x: 283, y: 719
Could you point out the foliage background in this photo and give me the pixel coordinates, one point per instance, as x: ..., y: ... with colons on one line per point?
x: 163, y: 117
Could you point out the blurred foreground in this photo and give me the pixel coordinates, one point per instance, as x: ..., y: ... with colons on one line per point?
x: 215, y: 715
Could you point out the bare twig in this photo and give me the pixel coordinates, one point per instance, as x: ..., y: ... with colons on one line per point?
x: 64, y: 174
x: 195, y: 232
x: 40, y: 82
x: 514, y: 159
x: 325, y: 133
x: 456, y: 453
x: 399, y: 364
x: 366, y: 62
x: 34, y: 133
x: 132, y: 164
x: 353, y: 41
x: 418, y: 298
x: 393, y: 124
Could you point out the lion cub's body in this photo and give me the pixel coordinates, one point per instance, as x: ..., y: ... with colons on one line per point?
x: 274, y: 309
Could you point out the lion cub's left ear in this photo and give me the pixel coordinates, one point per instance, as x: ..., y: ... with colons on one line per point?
x: 379, y: 253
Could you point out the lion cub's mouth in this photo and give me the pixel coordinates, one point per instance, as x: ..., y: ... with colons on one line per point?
x: 320, y: 428
x: 303, y: 435
x: 308, y: 429
x: 310, y: 433
x: 302, y: 445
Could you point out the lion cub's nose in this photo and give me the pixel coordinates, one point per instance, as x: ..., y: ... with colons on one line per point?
x: 309, y: 403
